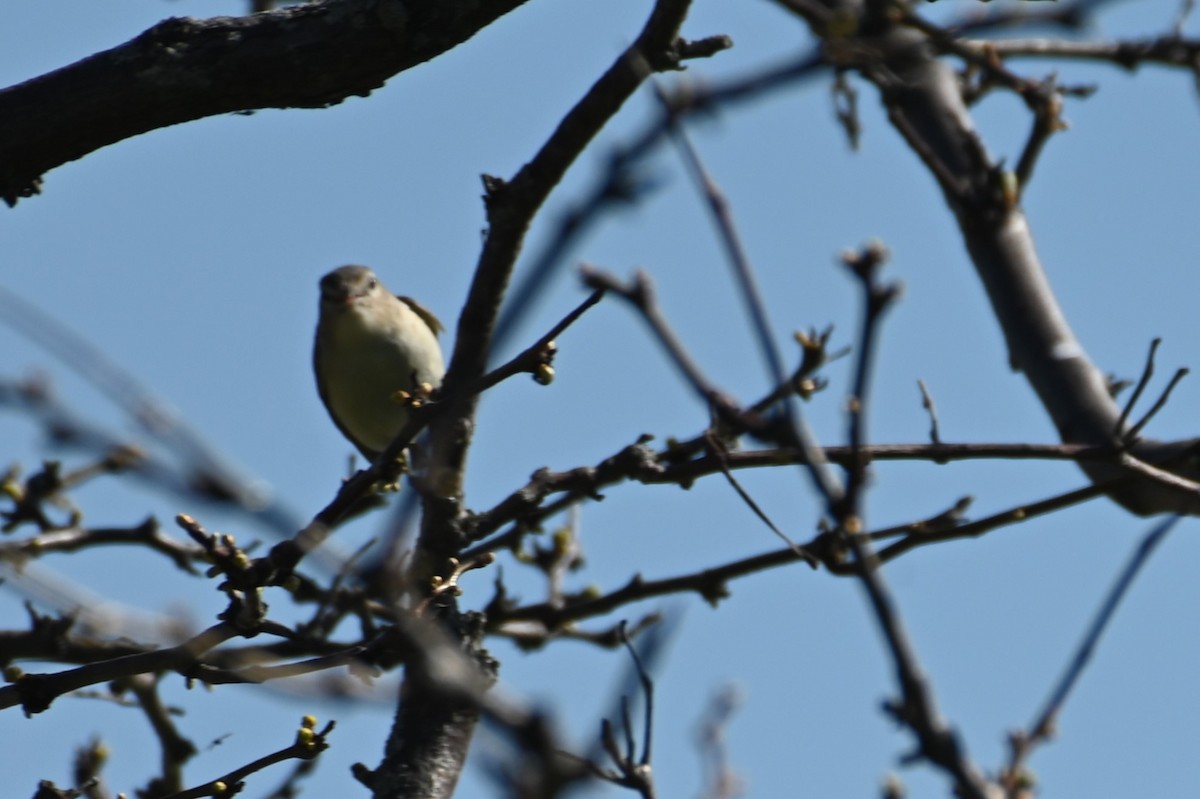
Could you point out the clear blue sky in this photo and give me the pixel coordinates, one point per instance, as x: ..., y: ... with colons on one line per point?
x: 190, y: 256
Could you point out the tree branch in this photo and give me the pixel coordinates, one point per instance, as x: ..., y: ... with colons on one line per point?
x: 924, y: 102
x: 310, y: 55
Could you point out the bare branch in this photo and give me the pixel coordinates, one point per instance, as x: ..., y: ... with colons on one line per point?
x: 308, y: 744
x: 1143, y: 381
x: 756, y: 308
x: 536, y: 358
x: 1171, y: 51
x: 309, y: 55
x: 1132, y: 434
x: 877, y: 298
x: 721, y: 453
x: 35, y: 692
x: 1042, y: 728
x: 927, y: 404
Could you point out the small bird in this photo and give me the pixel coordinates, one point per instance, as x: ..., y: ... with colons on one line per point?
x: 371, y: 344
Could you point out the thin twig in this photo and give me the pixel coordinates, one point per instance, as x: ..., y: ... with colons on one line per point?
x: 877, y: 297
x: 720, y: 453
x: 1046, y: 105
x: 1014, y: 515
x: 147, y: 534
x: 1158, y: 475
x: 639, y: 293
x: 202, y: 463
x: 927, y: 403
x: 35, y: 692
x: 1143, y: 381
x: 917, y: 709
x: 532, y: 356
x: 682, y: 463
x: 1043, y: 725
x: 950, y: 519
x: 309, y: 743
x: 620, y: 184
x: 712, y: 584
x: 648, y: 690
x: 735, y: 252
x: 1132, y: 435
x: 756, y: 308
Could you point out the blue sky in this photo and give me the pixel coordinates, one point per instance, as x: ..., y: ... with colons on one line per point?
x: 190, y: 256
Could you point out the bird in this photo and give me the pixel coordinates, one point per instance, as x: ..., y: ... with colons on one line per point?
x: 371, y: 344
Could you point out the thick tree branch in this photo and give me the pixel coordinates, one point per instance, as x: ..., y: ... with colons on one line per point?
x: 1170, y: 50
x: 924, y: 102
x: 310, y: 55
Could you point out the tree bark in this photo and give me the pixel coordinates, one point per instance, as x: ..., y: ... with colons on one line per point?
x: 311, y: 55
x: 924, y: 101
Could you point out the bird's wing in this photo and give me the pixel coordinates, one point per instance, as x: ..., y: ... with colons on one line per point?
x: 423, y: 312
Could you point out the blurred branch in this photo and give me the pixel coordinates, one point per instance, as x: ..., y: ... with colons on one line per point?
x: 176, y: 750
x: 73, y: 539
x: 935, y: 436
x: 756, y: 309
x: 35, y: 692
x: 727, y: 234
x: 199, y: 472
x: 632, y: 771
x: 1171, y: 50
x: 877, y: 298
x: 1022, y: 743
x: 721, y: 781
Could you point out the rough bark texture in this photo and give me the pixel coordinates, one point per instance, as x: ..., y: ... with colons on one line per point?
x: 305, y: 56
x: 437, y: 715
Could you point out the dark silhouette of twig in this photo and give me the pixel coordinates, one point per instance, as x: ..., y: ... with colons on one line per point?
x: 1134, y: 431
x: 877, y: 298
x: 756, y: 309
x: 308, y: 744
x: 720, y: 453
x: 1042, y: 728
x: 632, y: 770
x: 1143, y: 381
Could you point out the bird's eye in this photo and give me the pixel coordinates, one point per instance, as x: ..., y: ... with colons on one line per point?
x: 371, y: 284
